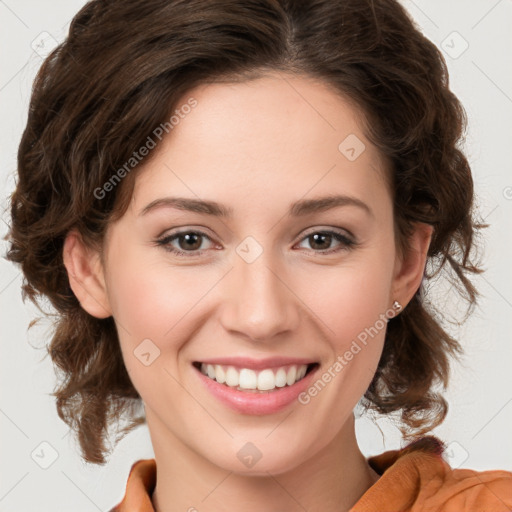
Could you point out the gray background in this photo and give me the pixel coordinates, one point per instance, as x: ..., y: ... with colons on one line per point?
x: 477, y: 428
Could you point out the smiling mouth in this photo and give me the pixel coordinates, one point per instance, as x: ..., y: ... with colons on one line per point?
x: 262, y: 381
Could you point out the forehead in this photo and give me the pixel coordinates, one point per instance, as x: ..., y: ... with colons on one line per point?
x: 279, y: 132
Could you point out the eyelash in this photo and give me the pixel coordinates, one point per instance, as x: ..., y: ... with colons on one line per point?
x: 346, y: 243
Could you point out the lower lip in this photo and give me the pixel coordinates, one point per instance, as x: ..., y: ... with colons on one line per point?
x: 257, y: 403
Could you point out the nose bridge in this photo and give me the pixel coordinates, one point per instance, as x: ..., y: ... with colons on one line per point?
x: 260, y: 304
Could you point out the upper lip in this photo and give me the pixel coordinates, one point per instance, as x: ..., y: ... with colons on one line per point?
x: 257, y: 364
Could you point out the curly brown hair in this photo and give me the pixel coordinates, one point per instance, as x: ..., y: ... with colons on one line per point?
x: 120, y: 73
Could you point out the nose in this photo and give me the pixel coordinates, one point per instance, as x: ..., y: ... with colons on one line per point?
x: 258, y: 302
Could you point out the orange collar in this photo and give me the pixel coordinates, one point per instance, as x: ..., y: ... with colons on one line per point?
x: 413, y: 479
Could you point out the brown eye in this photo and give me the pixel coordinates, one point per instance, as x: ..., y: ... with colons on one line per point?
x: 189, y: 241
x: 321, y: 241
x: 184, y: 242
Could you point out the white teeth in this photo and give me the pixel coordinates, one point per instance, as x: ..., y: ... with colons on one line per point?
x: 220, y: 374
x: 248, y: 379
x: 266, y: 380
x: 280, y: 378
x: 301, y: 372
x: 245, y: 378
x: 232, y: 377
x: 291, y: 375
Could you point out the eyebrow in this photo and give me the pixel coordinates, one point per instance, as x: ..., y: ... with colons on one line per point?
x: 297, y: 209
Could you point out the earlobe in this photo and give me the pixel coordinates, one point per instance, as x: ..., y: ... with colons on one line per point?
x: 85, y: 274
x: 410, y: 268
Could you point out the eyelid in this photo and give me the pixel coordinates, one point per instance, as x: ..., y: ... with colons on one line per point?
x: 345, y: 239
x: 164, y: 240
x: 200, y: 230
x: 341, y: 231
x: 196, y: 228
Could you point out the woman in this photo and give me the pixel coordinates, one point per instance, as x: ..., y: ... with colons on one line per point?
x: 232, y: 206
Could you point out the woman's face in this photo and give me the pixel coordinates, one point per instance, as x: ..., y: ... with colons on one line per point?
x: 275, y: 282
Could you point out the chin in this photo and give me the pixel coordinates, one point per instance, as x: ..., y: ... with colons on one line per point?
x: 253, y: 459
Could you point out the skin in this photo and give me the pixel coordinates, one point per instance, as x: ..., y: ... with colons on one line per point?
x: 255, y: 147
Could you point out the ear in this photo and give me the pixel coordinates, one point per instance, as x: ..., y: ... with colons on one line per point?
x: 410, y: 267
x: 86, y: 276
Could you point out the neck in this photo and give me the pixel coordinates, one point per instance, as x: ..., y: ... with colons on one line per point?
x: 331, y: 481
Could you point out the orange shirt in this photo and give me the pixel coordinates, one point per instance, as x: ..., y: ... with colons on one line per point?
x: 413, y: 479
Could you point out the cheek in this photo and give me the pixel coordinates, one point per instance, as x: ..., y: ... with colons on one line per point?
x: 150, y: 298
x: 350, y: 298
x: 352, y: 306
x: 141, y: 299
x: 152, y: 304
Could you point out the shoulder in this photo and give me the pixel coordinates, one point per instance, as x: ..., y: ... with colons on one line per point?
x: 487, y: 491
x: 418, y: 478
x: 139, y: 488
